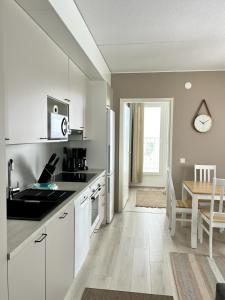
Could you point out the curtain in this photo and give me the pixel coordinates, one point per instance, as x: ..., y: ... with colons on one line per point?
x: 137, y: 142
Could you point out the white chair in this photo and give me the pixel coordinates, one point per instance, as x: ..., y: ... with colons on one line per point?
x: 176, y: 206
x: 214, y: 219
x: 203, y: 173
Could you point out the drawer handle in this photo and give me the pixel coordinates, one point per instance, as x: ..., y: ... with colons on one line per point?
x: 43, y: 236
x: 63, y: 216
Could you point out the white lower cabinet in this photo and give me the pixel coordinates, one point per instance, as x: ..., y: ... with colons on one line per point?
x: 60, y: 254
x: 44, y: 268
x: 26, y: 271
x: 82, y: 230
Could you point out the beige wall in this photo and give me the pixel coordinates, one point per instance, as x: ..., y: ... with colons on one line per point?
x: 208, y: 148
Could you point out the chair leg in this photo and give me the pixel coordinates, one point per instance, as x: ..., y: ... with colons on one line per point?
x: 200, y: 234
x: 170, y: 218
x: 183, y: 216
x: 210, y: 241
x: 173, y: 225
x: 201, y: 230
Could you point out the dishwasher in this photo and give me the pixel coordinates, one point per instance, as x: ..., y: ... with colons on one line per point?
x: 82, y: 230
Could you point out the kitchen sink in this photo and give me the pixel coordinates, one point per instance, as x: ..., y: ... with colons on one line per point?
x: 34, y: 204
x: 28, y: 210
x: 43, y: 195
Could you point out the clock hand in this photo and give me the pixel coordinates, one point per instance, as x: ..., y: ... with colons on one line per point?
x: 206, y: 121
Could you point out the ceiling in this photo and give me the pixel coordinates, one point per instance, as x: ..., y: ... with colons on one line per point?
x: 157, y: 35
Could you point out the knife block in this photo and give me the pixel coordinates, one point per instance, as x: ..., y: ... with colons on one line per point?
x: 47, y: 173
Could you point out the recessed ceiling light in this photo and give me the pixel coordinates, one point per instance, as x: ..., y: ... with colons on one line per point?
x: 188, y: 85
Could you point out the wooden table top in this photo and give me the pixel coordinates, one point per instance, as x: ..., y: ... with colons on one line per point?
x: 201, y: 187
x: 99, y: 294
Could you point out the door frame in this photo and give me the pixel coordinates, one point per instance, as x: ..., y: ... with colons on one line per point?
x: 142, y: 100
x: 122, y: 147
x: 3, y: 217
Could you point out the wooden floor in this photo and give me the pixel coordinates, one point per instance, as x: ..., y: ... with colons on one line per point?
x: 132, y: 253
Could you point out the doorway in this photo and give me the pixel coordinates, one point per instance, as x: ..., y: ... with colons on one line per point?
x: 155, y: 151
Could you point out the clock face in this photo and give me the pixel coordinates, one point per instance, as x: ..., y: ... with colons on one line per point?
x: 203, y: 123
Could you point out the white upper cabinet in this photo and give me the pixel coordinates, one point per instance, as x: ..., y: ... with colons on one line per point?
x: 77, y: 97
x: 34, y: 68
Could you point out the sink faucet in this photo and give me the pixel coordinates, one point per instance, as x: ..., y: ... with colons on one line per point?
x: 11, y: 189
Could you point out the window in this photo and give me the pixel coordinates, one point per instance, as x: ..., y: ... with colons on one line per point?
x: 152, y: 121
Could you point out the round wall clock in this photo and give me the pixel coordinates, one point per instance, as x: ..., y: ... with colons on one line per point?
x: 202, y: 122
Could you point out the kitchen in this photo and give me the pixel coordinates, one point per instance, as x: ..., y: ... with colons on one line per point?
x: 66, y: 68
x: 55, y: 114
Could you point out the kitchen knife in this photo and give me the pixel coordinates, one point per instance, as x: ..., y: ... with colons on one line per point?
x: 55, y: 162
x: 52, y: 158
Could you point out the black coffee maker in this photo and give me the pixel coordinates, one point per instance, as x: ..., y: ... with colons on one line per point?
x: 74, y: 159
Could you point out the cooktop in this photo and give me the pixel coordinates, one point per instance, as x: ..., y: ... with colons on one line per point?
x: 74, y: 177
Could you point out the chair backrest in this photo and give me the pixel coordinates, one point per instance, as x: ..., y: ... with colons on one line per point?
x: 203, y: 173
x: 170, y: 189
x: 217, y: 183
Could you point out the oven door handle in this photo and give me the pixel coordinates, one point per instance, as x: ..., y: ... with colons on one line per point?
x: 95, y: 195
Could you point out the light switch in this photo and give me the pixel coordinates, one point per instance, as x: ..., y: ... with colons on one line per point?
x: 183, y: 160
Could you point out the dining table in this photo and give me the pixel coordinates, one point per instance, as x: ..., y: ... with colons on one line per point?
x: 198, y: 190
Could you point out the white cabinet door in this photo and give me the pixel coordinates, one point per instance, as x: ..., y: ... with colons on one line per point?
x: 82, y: 230
x: 60, y: 254
x: 34, y: 68
x: 26, y: 271
x: 77, y: 96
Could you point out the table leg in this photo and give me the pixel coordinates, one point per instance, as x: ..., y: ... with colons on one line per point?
x: 194, y: 222
x: 221, y: 210
x: 184, y: 193
x: 184, y: 197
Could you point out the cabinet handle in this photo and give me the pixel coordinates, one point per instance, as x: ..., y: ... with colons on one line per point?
x: 7, y: 139
x: 81, y: 127
x: 43, y: 138
x: 43, y: 236
x: 63, y: 216
x: 68, y: 100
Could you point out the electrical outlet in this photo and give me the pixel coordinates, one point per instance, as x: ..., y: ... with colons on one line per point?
x: 182, y: 160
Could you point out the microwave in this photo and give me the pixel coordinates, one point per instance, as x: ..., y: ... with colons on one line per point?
x: 58, y: 128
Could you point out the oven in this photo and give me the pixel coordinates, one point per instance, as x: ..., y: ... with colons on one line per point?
x: 95, y: 200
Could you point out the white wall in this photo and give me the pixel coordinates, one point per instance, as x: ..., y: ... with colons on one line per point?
x: 3, y: 230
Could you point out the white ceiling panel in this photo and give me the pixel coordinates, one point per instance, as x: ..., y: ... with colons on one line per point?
x: 174, y: 56
x: 159, y: 35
